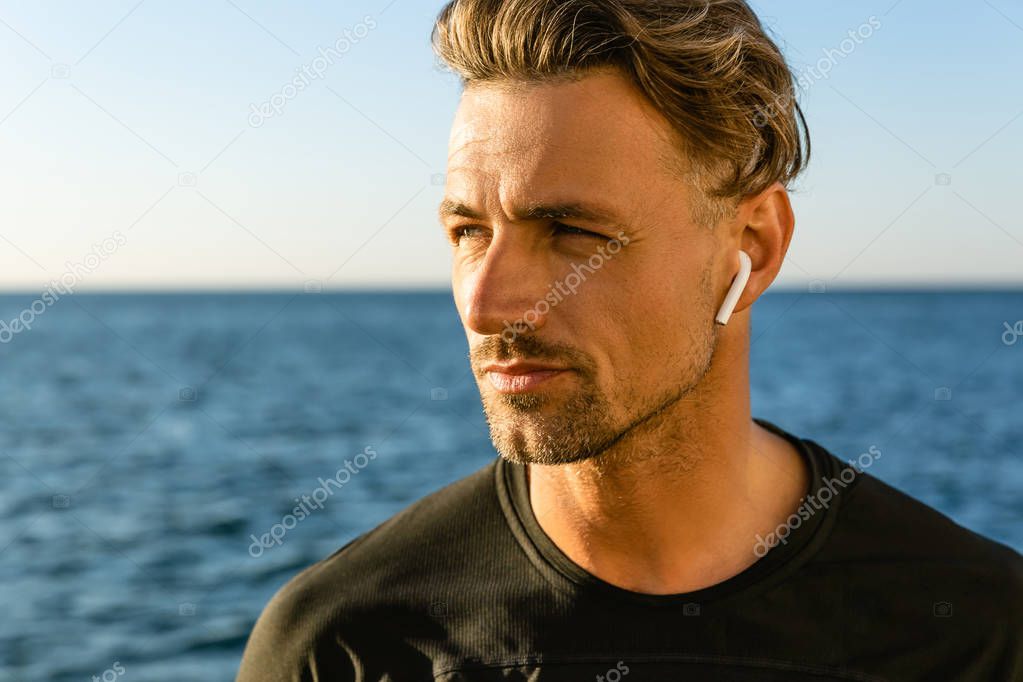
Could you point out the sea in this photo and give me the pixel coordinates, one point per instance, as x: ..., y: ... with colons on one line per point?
x: 154, y: 445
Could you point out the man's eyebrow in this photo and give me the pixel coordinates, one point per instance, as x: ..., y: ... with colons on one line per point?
x: 450, y: 207
x: 555, y: 211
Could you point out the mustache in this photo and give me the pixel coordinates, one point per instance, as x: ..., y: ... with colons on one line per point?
x: 496, y: 349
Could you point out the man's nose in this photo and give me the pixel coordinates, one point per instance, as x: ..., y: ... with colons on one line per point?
x: 508, y: 290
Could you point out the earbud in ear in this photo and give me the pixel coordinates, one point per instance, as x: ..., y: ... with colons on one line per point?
x: 735, y: 291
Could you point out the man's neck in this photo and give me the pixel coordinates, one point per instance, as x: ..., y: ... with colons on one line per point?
x: 676, y: 521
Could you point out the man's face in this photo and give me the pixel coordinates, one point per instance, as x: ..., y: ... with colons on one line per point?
x: 595, y: 324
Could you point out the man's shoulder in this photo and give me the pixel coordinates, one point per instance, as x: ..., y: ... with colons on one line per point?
x: 393, y: 572
x: 896, y: 535
x: 409, y: 544
x: 902, y: 527
x: 891, y: 558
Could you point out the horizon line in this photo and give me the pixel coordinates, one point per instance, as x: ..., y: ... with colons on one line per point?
x: 376, y: 288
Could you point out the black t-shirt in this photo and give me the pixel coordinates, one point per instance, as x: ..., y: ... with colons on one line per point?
x: 465, y: 585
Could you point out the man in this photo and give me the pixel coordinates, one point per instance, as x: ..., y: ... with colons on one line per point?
x: 609, y: 162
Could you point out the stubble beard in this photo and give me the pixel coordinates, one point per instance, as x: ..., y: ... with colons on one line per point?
x: 567, y: 427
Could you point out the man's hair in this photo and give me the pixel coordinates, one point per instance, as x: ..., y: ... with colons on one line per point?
x: 706, y: 65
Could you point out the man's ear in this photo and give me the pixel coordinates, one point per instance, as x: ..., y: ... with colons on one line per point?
x: 762, y: 227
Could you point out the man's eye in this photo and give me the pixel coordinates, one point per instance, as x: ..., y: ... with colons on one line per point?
x: 474, y: 232
x: 561, y: 228
x: 468, y: 231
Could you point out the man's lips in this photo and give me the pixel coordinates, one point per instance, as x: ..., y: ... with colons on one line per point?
x: 519, y: 377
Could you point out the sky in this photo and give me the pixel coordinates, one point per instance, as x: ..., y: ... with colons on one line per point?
x: 137, y: 152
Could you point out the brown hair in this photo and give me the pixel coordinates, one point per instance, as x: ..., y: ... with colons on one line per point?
x: 707, y: 65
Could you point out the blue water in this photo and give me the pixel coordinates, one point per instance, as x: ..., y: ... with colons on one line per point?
x: 144, y: 438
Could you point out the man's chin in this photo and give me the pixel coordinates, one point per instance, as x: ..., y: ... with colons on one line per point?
x: 531, y: 443
x: 549, y: 426
x: 539, y: 456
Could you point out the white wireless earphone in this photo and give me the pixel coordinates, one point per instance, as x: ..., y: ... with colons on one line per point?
x: 735, y: 291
